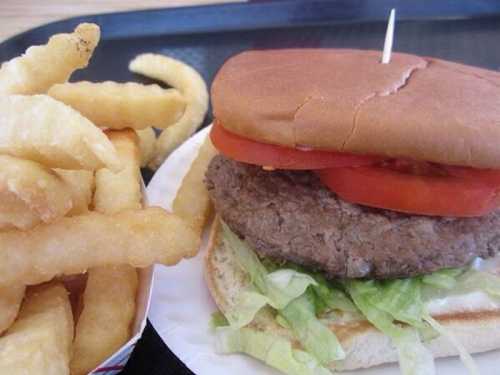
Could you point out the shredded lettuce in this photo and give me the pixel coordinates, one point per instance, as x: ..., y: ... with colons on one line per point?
x: 444, y: 279
x: 282, y: 322
x: 464, y: 355
x: 401, y: 299
x: 218, y: 320
x: 476, y: 280
x: 276, y: 289
x: 285, y: 290
x: 272, y: 350
x: 248, y: 305
x: 414, y: 357
x: 329, y: 298
x: 360, y: 292
x: 246, y: 258
x: 285, y: 285
x: 465, y: 281
x: 316, y: 338
x: 280, y: 287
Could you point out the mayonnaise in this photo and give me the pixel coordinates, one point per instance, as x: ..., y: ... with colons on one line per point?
x: 469, y: 301
x: 473, y: 301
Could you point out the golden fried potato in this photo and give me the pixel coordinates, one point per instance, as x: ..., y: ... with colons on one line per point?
x: 81, y: 184
x: 44, y: 130
x: 42, y: 66
x: 119, y: 191
x: 71, y: 245
x: 192, y: 202
x: 108, y: 312
x: 147, y: 142
x: 10, y: 301
x: 189, y: 82
x: 29, y: 186
x: 39, y: 342
x: 122, y: 105
x: 14, y: 213
x: 109, y: 297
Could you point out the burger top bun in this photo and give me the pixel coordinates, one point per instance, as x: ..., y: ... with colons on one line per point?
x: 346, y: 100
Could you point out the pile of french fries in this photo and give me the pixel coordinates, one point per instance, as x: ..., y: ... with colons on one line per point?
x: 73, y: 221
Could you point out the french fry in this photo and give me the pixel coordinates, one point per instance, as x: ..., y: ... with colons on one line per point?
x: 14, y: 213
x: 189, y: 82
x: 119, y: 191
x: 71, y: 245
x: 10, y: 301
x: 192, y: 202
x: 147, y: 142
x: 39, y: 342
x: 29, y: 186
x: 42, y: 66
x: 81, y: 184
x: 122, y: 105
x: 108, y: 312
x: 109, y: 297
x: 44, y: 130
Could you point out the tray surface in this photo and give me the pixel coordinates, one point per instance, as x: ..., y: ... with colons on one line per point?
x: 206, y: 36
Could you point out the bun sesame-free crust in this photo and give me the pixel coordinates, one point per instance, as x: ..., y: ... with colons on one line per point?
x: 346, y: 100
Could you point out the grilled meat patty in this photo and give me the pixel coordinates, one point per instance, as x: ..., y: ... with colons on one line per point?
x: 290, y: 215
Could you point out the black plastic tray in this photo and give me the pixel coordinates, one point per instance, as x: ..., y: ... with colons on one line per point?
x: 460, y: 30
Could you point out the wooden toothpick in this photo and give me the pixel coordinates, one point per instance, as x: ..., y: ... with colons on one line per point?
x: 389, y: 37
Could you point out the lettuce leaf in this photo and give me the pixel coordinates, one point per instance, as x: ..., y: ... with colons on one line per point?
x: 466, y: 358
x: 246, y: 258
x: 273, y: 350
x: 218, y: 320
x: 248, y: 305
x: 286, y: 290
x: 401, y: 299
x: 362, y: 292
x: 464, y: 281
x: 285, y: 285
x: 276, y: 289
x: 280, y: 286
x: 315, y: 337
x: 477, y: 280
x: 414, y: 357
x: 329, y: 298
x: 444, y: 279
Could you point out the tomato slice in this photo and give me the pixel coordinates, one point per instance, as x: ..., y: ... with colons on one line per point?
x: 488, y: 176
x: 456, y: 195
x: 247, y: 151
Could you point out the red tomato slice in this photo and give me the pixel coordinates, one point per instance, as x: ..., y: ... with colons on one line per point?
x: 412, y: 193
x: 279, y: 157
x: 488, y: 176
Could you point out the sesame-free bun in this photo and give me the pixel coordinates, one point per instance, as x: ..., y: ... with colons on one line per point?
x: 346, y: 100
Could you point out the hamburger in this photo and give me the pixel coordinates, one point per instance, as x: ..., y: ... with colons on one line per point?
x: 357, y: 210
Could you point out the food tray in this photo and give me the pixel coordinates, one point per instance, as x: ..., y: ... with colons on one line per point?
x: 205, y: 36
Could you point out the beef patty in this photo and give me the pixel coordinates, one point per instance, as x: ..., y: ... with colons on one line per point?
x: 290, y: 215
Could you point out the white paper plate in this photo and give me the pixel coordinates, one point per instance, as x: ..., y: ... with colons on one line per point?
x: 181, y: 305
